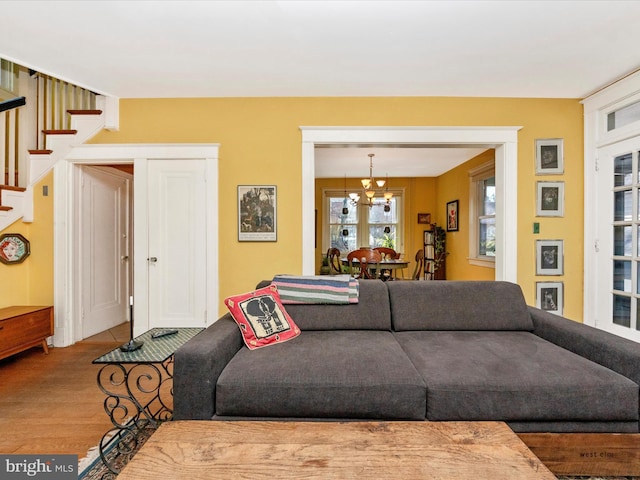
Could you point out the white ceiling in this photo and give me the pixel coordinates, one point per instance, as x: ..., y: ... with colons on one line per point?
x: 149, y: 49
x: 393, y: 160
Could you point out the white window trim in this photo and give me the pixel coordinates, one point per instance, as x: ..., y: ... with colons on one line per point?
x: 476, y: 174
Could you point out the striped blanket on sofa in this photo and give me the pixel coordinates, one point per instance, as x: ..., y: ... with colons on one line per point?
x: 334, y: 289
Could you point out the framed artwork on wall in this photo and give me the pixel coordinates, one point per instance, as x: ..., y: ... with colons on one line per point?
x: 550, y: 297
x: 14, y: 248
x: 549, y: 156
x: 257, y: 213
x: 550, y: 199
x: 549, y: 257
x: 452, y: 216
x: 424, y: 218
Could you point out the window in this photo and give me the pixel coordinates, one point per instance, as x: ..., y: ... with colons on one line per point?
x: 623, y: 116
x: 7, y: 79
x: 350, y: 227
x: 482, y: 215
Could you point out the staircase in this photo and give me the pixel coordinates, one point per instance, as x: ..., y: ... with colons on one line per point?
x: 40, y: 131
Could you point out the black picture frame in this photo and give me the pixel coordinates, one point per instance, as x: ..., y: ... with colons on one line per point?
x: 452, y: 216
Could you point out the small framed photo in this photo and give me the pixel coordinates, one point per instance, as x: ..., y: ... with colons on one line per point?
x: 424, y: 218
x: 549, y: 257
x: 549, y: 156
x: 550, y: 297
x: 257, y: 213
x: 550, y: 199
x: 14, y: 248
x: 452, y: 216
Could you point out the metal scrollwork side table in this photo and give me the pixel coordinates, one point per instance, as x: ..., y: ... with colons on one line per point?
x: 139, y: 389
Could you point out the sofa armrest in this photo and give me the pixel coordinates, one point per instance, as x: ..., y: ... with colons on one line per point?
x: 616, y: 353
x: 197, y: 366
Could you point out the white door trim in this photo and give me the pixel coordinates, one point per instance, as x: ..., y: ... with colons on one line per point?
x: 67, y: 308
x: 503, y: 139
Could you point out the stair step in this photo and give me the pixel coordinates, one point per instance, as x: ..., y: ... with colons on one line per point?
x: 84, y: 112
x: 40, y: 152
x: 59, y: 132
x: 12, y: 188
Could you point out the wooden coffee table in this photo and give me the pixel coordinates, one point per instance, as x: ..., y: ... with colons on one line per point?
x: 198, y: 450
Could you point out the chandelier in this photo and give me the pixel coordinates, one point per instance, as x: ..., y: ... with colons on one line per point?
x: 369, y: 189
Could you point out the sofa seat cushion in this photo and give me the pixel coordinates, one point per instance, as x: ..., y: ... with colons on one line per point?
x: 335, y: 374
x: 514, y: 376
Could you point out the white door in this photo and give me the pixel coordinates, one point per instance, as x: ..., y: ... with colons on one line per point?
x: 104, y: 248
x: 617, y: 248
x: 177, y: 240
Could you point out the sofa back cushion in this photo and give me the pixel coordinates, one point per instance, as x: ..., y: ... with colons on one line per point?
x: 458, y: 305
x: 372, y: 312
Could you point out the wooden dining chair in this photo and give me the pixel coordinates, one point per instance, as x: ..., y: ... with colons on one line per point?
x: 335, y: 265
x: 387, y: 254
x: 363, y: 261
x: 418, y: 272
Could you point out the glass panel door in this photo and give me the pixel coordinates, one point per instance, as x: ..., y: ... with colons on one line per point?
x: 618, y: 248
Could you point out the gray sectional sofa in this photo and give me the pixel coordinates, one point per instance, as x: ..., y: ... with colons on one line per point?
x: 417, y: 350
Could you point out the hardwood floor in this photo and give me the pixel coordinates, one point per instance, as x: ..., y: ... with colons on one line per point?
x: 52, y: 403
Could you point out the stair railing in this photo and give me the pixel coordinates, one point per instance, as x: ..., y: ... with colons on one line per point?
x: 23, y: 128
x: 55, y: 99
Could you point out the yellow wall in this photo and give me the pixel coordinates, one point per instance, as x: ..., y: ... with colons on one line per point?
x: 260, y: 142
x: 454, y: 185
x: 31, y: 282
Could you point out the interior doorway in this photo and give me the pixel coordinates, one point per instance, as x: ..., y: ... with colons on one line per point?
x: 503, y: 139
x: 67, y: 300
x: 104, y: 277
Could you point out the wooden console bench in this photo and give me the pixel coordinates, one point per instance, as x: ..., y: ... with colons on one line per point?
x: 23, y: 327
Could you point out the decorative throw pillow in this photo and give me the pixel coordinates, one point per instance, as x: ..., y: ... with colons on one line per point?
x: 261, y: 317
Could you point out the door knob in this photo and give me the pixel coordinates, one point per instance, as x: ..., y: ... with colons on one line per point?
x: 153, y: 259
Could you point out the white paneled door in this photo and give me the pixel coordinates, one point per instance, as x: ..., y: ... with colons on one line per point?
x: 617, y: 247
x: 104, y: 243
x: 177, y: 241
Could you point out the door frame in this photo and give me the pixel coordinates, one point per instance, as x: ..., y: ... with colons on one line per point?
x: 596, y: 136
x: 66, y: 299
x: 81, y: 172
x: 503, y: 139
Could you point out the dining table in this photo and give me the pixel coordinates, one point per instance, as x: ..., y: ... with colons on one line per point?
x: 391, y: 264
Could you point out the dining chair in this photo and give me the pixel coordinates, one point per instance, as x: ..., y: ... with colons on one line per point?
x: 367, y: 261
x: 418, y: 272
x: 335, y: 266
x: 387, y: 254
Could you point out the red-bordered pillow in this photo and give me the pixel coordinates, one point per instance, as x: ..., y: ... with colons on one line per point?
x: 261, y: 317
